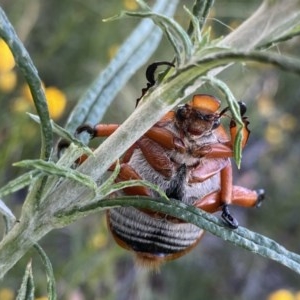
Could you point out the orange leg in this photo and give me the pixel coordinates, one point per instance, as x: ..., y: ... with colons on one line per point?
x: 165, y: 138
x: 156, y: 156
x: 228, y: 195
x: 103, y: 130
x: 211, y: 168
x: 240, y: 196
x: 207, y: 169
x: 246, y: 131
x: 226, y: 192
x: 225, y: 149
x: 128, y: 173
x: 160, y: 135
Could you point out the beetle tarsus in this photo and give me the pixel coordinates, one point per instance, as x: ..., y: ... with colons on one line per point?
x: 243, y: 108
x: 86, y: 128
x: 62, y: 145
x: 260, y: 197
x: 150, y: 76
x: 228, y: 218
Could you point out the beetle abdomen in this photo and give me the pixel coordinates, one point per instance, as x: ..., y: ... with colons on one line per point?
x: 152, y: 239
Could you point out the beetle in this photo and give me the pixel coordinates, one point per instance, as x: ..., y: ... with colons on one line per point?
x: 187, y: 155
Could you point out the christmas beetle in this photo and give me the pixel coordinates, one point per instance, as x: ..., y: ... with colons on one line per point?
x: 187, y: 154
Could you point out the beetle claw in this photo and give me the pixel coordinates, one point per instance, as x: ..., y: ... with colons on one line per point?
x: 62, y: 146
x: 260, y: 197
x: 228, y: 218
x: 86, y: 128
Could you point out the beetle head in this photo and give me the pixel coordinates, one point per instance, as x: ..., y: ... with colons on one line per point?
x: 199, y: 116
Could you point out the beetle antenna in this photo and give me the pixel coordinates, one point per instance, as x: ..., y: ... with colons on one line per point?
x: 223, y: 111
x: 150, y: 72
x: 243, y: 109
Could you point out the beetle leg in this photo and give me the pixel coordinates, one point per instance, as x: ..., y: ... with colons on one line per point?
x: 240, y: 196
x: 165, y: 138
x: 158, y: 134
x: 214, y: 201
x: 228, y: 218
x: 233, y: 127
x: 150, y: 72
x: 246, y: 197
x: 228, y: 195
x: 225, y: 149
x: 220, y: 150
x: 156, y: 156
x: 245, y: 131
x: 128, y: 173
x: 207, y: 170
x: 226, y: 183
x: 100, y: 130
x: 103, y: 130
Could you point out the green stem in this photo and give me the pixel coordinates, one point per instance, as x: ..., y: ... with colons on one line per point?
x: 19, y: 240
x: 134, y: 52
x: 241, y: 237
x: 30, y: 72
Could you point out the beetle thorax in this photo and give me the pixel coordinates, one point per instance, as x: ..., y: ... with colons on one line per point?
x: 194, y: 122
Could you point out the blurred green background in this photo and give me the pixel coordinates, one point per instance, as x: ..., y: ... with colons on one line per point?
x: 70, y: 45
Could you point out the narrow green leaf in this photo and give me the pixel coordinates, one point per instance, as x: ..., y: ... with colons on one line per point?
x: 133, y: 53
x: 30, y: 72
x: 195, y: 31
x: 26, y: 291
x: 235, y: 110
x: 281, y: 37
x: 52, y: 169
x: 71, y: 154
x: 9, y: 217
x: 286, y: 63
x: 106, y: 186
x: 131, y: 183
x: 18, y: 183
x: 280, y: 15
x: 51, y: 285
x: 241, y: 237
x: 180, y: 40
x: 63, y: 133
x: 200, y: 12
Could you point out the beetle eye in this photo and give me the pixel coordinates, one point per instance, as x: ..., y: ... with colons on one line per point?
x: 209, y: 117
x: 216, y: 124
x: 243, y: 108
x: 181, y: 113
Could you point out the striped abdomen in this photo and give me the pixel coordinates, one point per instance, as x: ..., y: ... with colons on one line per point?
x: 152, y: 239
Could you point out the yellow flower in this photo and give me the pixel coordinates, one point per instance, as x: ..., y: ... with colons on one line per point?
x: 287, y: 122
x: 56, y: 101
x: 26, y: 93
x: 297, y: 296
x: 8, y: 81
x: 21, y: 105
x: 6, y: 294
x: 8, y: 77
x: 281, y: 295
x: 130, y: 4
x: 274, y: 134
x: 266, y: 105
x: 98, y: 241
x: 7, y: 61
